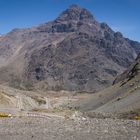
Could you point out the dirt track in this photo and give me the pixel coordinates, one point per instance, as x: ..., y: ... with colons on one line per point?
x: 27, y: 128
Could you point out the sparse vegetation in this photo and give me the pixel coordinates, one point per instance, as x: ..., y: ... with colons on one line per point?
x: 2, y: 115
x: 137, y: 117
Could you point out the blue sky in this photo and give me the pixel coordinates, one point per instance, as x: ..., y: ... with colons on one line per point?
x: 121, y: 15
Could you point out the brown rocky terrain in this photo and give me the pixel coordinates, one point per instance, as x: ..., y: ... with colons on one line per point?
x: 121, y: 99
x: 63, y: 61
x: 60, y: 129
x: 13, y: 100
x: 74, y: 53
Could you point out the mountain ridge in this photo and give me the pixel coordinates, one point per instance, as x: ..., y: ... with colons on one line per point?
x: 75, y: 54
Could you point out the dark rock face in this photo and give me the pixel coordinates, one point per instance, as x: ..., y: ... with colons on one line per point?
x: 132, y: 72
x: 73, y: 52
x: 75, y: 13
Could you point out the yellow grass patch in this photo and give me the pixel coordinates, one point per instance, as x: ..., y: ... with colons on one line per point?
x: 2, y: 114
x: 137, y: 117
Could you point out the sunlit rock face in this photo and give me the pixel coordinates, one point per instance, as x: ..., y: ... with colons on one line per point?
x: 74, y: 52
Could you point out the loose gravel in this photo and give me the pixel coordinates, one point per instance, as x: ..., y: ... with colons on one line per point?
x: 28, y: 128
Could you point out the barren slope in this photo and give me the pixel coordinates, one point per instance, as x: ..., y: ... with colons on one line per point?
x: 12, y: 100
x: 123, y: 98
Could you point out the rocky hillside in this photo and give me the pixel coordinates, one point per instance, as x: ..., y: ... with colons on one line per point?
x: 132, y: 72
x: 120, y: 99
x: 13, y: 100
x: 73, y: 52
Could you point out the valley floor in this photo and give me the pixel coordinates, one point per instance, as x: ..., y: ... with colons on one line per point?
x: 52, y: 128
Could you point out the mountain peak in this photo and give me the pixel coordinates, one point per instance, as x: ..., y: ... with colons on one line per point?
x: 75, y: 12
x: 73, y: 52
x: 74, y: 6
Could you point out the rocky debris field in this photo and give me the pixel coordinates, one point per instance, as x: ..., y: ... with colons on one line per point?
x: 27, y: 128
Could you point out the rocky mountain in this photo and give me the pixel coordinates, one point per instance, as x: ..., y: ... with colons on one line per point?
x: 74, y: 52
x: 121, y: 99
x: 132, y: 72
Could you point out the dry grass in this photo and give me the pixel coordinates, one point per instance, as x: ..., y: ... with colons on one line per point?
x: 137, y: 117
x: 3, y: 115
